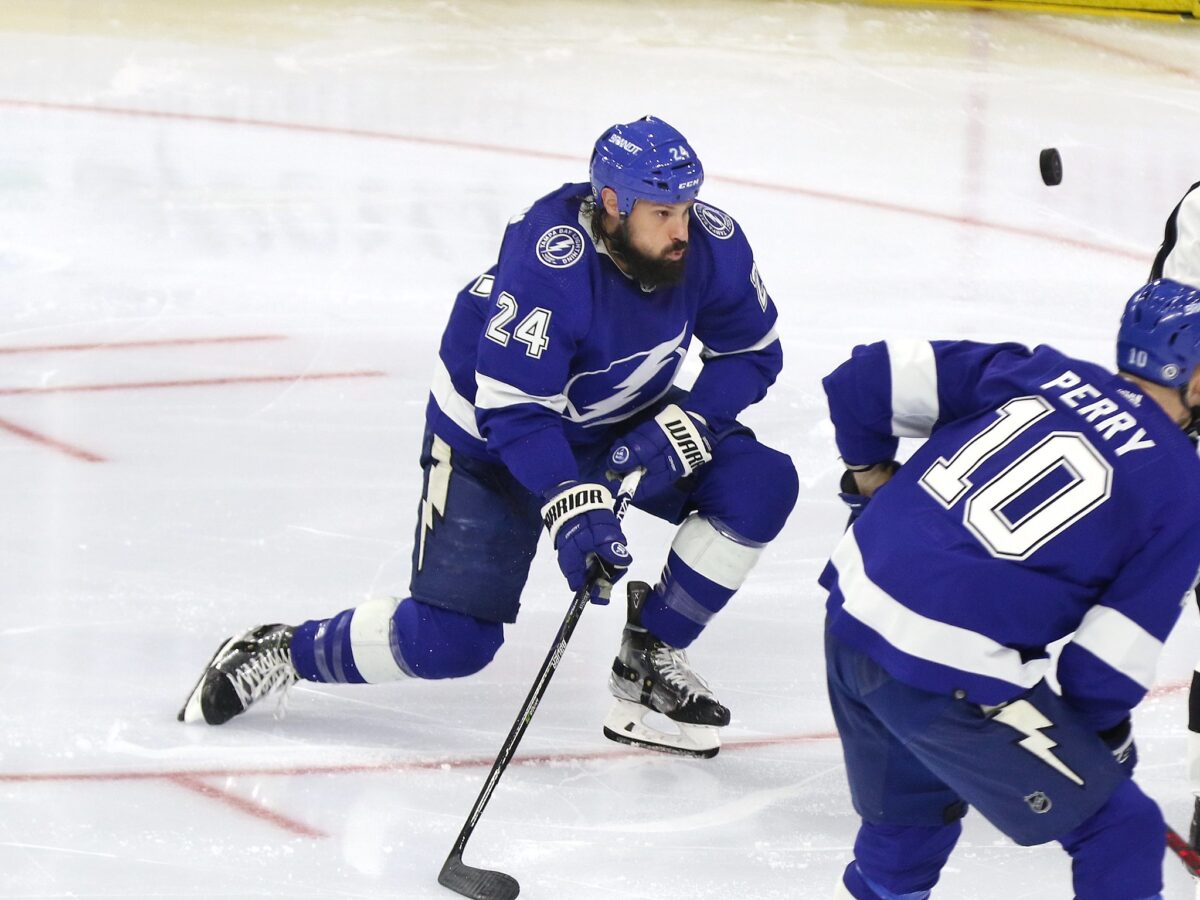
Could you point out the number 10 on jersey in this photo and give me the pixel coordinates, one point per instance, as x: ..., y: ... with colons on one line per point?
x: 1088, y: 481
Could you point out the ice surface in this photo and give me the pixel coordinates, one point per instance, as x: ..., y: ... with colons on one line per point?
x: 201, y: 203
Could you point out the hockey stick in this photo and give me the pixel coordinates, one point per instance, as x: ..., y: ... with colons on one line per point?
x: 485, y: 884
x: 1186, y: 853
x: 1187, y: 850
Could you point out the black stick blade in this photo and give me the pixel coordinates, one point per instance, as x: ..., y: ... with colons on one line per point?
x: 479, y: 884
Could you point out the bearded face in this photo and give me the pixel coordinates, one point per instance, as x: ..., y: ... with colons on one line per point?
x: 653, y: 267
x: 650, y: 243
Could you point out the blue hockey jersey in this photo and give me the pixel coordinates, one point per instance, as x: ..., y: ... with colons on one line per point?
x: 1051, y: 498
x: 554, y: 348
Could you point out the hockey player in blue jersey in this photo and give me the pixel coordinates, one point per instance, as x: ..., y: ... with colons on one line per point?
x: 1050, y: 499
x: 556, y: 372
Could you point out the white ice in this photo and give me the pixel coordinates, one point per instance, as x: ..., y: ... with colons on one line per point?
x: 319, y: 179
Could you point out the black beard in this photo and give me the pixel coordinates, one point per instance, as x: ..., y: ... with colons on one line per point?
x: 649, y: 271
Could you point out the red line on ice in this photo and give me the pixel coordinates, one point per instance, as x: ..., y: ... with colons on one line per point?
x: 46, y: 441
x: 241, y: 804
x: 406, y: 766
x: 128, y: 345
x: 187, y: 382
x: 970, y: 221
x: 1169, y: 687
x: 1020, y: 231
x: 284, y: 126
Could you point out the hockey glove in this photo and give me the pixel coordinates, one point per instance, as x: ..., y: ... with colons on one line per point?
x: 1119, y: 740
x: 850, y: 494
x: 672, y: 445
x: 586, y: 532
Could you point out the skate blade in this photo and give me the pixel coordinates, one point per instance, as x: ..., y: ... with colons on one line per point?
x: 192, y: 711
x: 626, y: 725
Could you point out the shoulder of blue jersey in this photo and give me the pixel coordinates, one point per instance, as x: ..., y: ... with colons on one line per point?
x: 715, y: 221
x: 724, y: 240
x: 549, y: 234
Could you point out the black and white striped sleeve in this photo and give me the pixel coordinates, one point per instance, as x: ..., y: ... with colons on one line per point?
x: 1179, y: 256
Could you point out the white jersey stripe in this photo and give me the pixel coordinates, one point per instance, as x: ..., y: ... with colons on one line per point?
x: 914, y: 388
x: 458, y: 409
x: 767, y: 340
x: 922, y: 637
x: 493, y: 394
x: 1120, y: 643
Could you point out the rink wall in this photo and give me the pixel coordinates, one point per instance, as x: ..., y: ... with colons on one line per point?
x: 1186, y: 11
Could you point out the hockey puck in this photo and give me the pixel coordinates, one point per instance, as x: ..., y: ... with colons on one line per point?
x: 1050, y: 162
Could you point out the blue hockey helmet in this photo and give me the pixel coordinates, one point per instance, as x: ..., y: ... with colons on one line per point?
x: 645, y: 160
x: 1159, y: 338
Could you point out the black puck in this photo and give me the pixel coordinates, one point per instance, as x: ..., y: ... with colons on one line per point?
x: 1050, y: 162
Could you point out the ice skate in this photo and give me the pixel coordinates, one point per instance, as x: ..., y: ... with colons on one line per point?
x: 650, y: 676
x: 245, y: 669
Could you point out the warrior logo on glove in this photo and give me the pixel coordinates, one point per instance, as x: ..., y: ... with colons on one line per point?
x: 671, y: 446
x: 686, y: 441
x: 583, y: 497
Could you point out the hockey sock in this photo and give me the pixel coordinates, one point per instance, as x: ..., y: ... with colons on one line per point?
x: 708, y: 562
x: 863, y: 888
x: 321, y: 650
x: 1117, y: 854
x: 386, y: 639
x: 900, y: 862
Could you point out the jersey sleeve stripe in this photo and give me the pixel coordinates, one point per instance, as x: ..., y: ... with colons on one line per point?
x: 1120, y: 643
x: 766, y: 341
x: 914, y: 388
x: 457, y: 408
x: 493, y: 394
x: 920, y: 636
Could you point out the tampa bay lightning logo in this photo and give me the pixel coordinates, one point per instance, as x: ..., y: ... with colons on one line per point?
x: 625, y: 385
x: 560, y: 246
x: 712, y: 220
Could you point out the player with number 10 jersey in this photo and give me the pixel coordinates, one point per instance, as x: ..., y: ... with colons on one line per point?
x: 1050, y: 499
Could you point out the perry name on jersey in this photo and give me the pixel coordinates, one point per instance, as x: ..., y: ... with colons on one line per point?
x: 1052, y: 498
x: 553, y: 348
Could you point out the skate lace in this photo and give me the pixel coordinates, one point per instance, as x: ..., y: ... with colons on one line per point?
x: 264, y: 672
x: 673, y: 668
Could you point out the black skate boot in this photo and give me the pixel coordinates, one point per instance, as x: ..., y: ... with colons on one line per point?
x: 245, y: 669
x: 649, y: 675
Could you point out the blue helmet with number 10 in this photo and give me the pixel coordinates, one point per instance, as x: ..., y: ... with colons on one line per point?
x: 645, y: 160
x: 1159, y: 338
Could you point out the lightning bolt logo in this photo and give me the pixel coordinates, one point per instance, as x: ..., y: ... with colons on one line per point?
x: 652, y: 362
x: 434, y: 500
x: 560, y: 246
x: 1025, y: 718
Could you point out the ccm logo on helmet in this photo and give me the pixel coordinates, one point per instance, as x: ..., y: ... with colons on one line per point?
x: 624, y: 143
x: 684, y: 185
